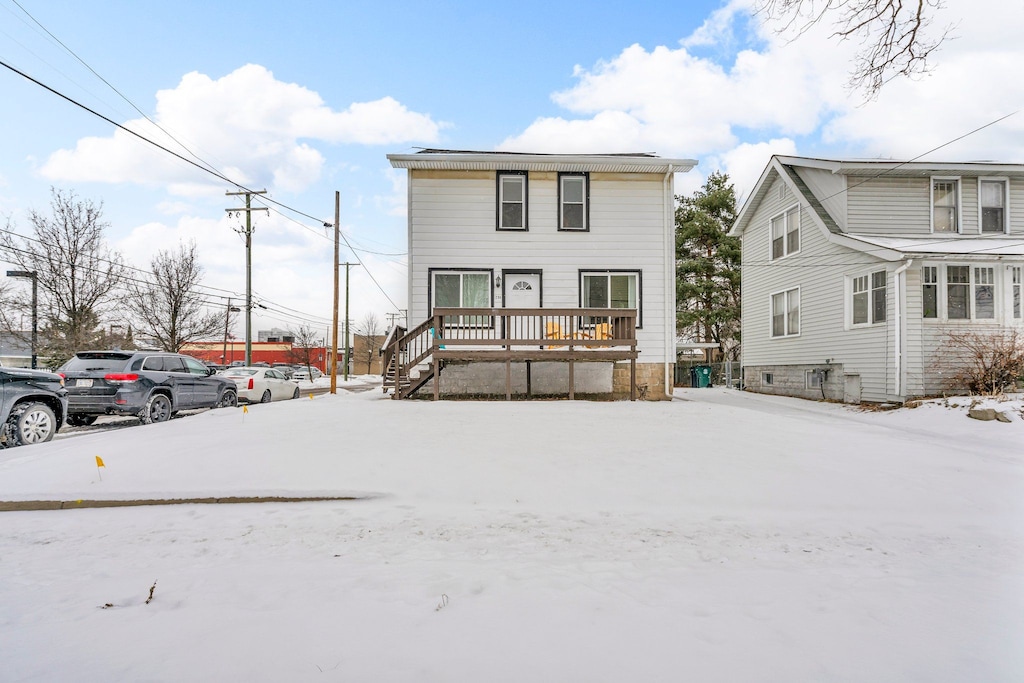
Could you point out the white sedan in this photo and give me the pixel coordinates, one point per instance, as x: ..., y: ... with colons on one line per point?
x: 261, y: 385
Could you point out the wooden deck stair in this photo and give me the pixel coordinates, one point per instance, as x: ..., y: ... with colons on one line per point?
x: 506, y: 335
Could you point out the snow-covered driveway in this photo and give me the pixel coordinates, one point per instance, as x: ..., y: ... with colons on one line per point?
x: 718, y: 537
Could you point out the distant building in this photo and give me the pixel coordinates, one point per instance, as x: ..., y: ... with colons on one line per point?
x: 275, y: 335
x: 15, y: 351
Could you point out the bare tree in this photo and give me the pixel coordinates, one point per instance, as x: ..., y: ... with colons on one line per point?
x: 894, y: 33
x: 169, y: 307
x: 982, y: 362
x: 76, y: 272
x: 368, y: 339
x: 304, y: 345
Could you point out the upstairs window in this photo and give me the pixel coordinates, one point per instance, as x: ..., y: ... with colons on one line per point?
x: 992, y: 205
x: 785, y: 233
x: 512, y: 210
x: 945, y: 205
x: 573, y: 201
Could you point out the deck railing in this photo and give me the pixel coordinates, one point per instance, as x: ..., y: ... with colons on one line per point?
x: 511, y: 335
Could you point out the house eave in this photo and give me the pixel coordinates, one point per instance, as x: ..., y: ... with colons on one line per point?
x: 579, y: 163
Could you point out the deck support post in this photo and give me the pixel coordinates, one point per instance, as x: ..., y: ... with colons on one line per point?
x: 572, y: 381
x: 632, y: 379
x: 437, y: 379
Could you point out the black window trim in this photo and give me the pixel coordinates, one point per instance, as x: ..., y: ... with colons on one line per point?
x: 622, y: 271
x: 586, y: 201
x: 456, y: 269
x: 526, y: 201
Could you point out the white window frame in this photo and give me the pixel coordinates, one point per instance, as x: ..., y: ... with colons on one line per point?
x: 935, y: 284
x: 812, y: 379
x: 958, y: 195
x: 794, y: 210
x: 1002, y: 291
x: 1006, y: 205
x: 585, y: 178
x: 870, y: 292
x: 524, y: 185
x: 637, y: 276
x: 767, y: 378
x: 463, y: 321
x: 1015, y: 300
x: 787, y: 333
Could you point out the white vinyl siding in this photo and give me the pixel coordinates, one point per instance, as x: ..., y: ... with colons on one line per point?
x: 452, y: 227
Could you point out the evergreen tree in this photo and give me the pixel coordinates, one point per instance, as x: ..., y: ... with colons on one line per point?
x: 708, y: 266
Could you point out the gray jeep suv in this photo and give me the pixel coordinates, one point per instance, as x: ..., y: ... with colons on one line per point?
x: 150, y: 385
x: 33, y: 406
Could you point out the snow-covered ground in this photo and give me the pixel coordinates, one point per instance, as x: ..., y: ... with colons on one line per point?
x: 723, y: 536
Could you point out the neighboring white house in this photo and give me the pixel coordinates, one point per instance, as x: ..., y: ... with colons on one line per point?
x: 499, y: 229
x: 855, y: 272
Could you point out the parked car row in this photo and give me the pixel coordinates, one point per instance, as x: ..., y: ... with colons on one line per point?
x: 150, y: 385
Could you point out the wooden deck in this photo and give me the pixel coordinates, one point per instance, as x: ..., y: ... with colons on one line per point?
x: 511, y: 335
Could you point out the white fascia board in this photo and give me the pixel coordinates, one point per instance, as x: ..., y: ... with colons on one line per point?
x: 540, y: 162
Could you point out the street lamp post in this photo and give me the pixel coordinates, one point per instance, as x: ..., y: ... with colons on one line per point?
x: 31, y: 274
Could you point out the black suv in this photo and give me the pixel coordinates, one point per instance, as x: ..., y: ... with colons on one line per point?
x: 33, y: 406
x: 150, y: 385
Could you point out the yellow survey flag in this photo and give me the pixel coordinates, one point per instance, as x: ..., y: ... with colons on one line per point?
x: 245, y: 409
x: 99, y: 462
x: 311, y: 397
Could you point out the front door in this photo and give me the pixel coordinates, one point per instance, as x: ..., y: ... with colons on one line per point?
x: 521, y: 290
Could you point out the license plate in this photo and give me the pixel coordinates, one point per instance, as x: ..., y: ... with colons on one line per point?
x: 83, y: 382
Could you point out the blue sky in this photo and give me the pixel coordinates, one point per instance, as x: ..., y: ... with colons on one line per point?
x: 307, y: 98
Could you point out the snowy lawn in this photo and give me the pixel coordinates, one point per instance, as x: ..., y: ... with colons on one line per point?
x: 724, y: 536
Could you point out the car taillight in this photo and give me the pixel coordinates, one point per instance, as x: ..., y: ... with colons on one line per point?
x: 250, y: 384
x: 121, y: 377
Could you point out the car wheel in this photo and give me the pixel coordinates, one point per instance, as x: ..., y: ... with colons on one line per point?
x: 81, y: 420
x: 31, y: 423
x: 295, y: 394
x: 158, y: 409
x: 229, y: 399
x: 265, y: 398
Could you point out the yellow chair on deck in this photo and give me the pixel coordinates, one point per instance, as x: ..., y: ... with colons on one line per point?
x: 601, y: 331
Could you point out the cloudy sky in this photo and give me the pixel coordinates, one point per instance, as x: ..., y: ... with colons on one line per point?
x: 305, y: 99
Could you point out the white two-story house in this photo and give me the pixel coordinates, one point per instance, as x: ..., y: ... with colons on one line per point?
x: 497, y: 230
x: 856, y: 273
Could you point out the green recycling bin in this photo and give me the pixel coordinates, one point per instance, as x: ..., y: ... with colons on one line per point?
x: 702, y: 375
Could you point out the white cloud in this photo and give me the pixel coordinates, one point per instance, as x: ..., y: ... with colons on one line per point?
x: 262, y: 143
x: 786, y: 94
x: 394, y: 204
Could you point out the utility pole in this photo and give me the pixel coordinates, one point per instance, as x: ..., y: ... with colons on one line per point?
x: 347, y: 350
x: 334, y: 328
x: 248, y: 263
